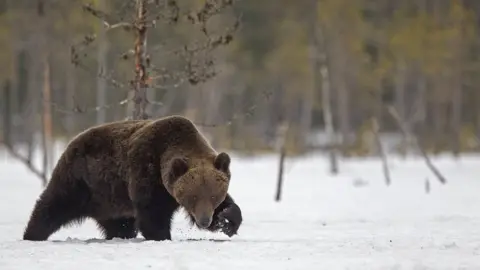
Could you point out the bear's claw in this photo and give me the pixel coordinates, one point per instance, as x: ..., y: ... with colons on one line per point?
x: 229, y: 220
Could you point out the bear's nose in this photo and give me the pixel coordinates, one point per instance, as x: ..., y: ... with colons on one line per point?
x: 204, y: 221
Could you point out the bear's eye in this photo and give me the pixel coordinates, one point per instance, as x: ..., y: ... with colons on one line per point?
x: 213, y: 198
x: 194, y: 198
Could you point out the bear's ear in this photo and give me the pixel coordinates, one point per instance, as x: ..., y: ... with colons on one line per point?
x: 222, y: 162
x: 178, y: 167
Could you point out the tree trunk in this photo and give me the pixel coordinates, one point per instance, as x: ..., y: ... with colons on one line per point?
x: 419, y: 124
x: 456, y: 114
x: 102, y: 67
x: 69, y: 100
x: 29, y: 97
x: 320, y: 65
x: 140, y: 84
x: 400, y: 81
x: 7, y: 114
x: 337, y: 69
x: 306, y: 107
x: 458, y: 47
x: 438, y: 110
x: 46, y: 114
x: 46, y: 117
x: 237, y: 132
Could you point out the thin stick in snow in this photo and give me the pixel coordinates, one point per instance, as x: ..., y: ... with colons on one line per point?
x: 427, y: 186
x: 281, y: 146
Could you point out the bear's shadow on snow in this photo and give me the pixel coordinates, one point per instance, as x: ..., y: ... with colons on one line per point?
x: 130, y: 241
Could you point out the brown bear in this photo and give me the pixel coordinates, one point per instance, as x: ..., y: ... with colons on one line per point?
x: 132, y: 176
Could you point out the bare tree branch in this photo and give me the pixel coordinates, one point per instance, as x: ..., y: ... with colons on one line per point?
x: 404, y: 129
x: 7, y: 142
x: 126, y: 26
x: 104, y: 17
x: 102, y: 74
x: 209, y: 9
x: 78, y: 109
x: 27, y: 162
x: 249, y: 112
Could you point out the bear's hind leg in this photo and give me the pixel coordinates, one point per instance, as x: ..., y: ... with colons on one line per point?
x: 123, y: 228
x: 57, y: 206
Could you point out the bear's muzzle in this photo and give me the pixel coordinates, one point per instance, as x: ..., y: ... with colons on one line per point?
x: 204, y: 221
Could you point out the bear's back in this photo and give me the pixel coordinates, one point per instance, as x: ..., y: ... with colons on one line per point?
x: 179, y: 136
x: 99, y: 153
x: 109, y: 138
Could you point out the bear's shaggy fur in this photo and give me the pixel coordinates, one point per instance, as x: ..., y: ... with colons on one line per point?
x: 132, y: 176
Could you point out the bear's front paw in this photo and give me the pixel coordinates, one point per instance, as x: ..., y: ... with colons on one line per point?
x: 230, y: 219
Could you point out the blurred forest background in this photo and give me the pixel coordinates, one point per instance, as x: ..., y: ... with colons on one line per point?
x: 320, y: 74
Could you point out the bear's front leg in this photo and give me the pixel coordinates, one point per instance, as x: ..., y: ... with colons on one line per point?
x: 227, y: 217
x: 154, y: 209
x: 153, y: 224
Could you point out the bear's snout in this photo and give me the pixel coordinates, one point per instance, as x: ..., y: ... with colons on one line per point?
x: 204, y: 221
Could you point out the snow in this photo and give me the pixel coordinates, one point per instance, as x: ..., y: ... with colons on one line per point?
x: 322, y: 222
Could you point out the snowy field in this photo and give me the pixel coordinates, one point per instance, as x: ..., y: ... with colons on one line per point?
x: 322, y: 222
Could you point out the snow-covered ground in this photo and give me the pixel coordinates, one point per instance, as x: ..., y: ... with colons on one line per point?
x: 323, y: 222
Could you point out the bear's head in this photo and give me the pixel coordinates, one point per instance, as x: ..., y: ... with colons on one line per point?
x: 201, y: 188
